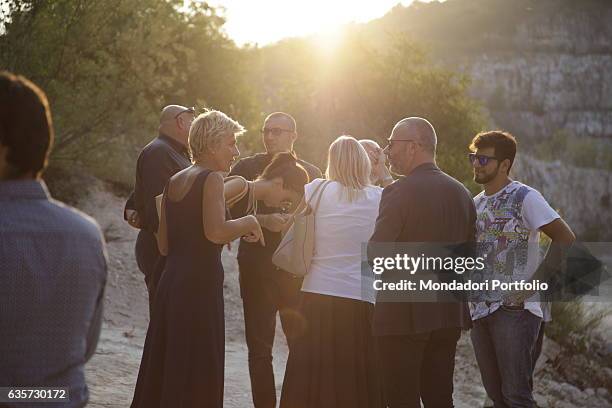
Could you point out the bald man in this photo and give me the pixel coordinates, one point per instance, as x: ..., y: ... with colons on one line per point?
x: 163, y: 157
x: 265, y: 289
x: 417, y: 341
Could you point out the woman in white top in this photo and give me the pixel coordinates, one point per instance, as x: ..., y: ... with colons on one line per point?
x: 332, y: 364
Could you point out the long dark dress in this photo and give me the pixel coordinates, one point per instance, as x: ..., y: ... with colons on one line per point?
x: 183, y: 359
x: 334, y: 363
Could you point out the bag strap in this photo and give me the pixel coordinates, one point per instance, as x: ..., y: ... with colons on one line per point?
x: 324, y: 184
x: 241, y: 194
x: 314, y: 193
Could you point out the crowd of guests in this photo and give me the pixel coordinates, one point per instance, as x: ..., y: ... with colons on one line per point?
x: 192, y: 197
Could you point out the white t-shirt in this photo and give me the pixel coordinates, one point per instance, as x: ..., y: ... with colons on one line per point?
x: 341, y: 228
x: 510, y: 220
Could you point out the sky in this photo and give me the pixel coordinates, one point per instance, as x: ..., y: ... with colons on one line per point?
x: 267, y: 21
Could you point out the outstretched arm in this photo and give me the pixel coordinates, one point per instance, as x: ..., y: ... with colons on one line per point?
x: 162, y: 230
x: 234, y: 189
x: 216, y: 228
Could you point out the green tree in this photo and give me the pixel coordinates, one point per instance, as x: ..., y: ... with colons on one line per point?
x: 109, y: 66
x: 363, y: 90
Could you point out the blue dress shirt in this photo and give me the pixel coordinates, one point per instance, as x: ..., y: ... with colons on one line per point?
x: 52, y: 277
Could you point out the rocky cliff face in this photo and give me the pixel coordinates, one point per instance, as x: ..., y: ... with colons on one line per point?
x: 538, y: 66
x: 583, y: 197
x: 553, y: 73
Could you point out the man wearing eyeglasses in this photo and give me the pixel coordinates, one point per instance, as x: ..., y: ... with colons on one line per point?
x: 417, y: 341
x: 265, y: 289
x: 163, y: 157
x: 510, y: 216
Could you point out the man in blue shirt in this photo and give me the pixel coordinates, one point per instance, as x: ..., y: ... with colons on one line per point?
x: 52, y: 259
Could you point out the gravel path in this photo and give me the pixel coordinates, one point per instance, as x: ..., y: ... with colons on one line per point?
x: 112, y: 372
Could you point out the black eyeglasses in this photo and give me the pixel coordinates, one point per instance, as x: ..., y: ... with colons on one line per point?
x: 482, y: 159
x: 190, y: 110
x: 274, y: 131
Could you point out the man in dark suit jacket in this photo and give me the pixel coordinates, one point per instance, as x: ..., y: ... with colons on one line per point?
x: 417, y: 341
x: 159, y: 160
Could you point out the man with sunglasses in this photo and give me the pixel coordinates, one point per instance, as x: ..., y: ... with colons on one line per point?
x: 510, y: 216
x: 417, y: 341
x: 163, y: 157
x: 264, y: 288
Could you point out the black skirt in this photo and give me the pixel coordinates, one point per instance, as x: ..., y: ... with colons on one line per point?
x: 333, y: 363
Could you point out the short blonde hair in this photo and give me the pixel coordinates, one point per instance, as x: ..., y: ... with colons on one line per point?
x: 208, y: 129
x: 348, y: 163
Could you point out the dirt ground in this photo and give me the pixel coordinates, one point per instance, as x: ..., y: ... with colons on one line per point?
x: 112, y: 372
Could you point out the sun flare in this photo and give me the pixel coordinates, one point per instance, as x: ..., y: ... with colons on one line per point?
x: 268, y: 21
x: 329, y: 40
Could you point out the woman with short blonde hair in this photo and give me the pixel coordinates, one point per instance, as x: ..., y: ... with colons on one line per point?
x: 208, y: 130
x: 183, y: 358
x: 334, y: 360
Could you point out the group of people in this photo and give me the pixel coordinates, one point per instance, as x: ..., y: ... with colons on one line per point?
x: 345, y: 349
x: 191, y: 198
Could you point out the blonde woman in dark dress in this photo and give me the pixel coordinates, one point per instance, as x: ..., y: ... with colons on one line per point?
x: 183, y: 359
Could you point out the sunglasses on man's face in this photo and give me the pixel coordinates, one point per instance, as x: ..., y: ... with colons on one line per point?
x: 274, y: 131
x: 480, y: 158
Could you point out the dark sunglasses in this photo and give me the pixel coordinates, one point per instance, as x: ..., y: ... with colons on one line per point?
x: 190, y: 110
x: 274, y: 131
x: 482, y: 159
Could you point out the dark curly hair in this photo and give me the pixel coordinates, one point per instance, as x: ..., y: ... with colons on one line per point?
x: 503, y: 143
x: 286, y: 166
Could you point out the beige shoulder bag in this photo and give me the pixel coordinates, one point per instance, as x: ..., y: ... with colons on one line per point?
x: 294, y: 253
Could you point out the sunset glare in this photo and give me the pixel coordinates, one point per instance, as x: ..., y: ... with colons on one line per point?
x: 268, y: 21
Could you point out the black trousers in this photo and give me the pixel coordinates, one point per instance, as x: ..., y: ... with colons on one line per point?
x: 419, y: 367
x: 150, y: 262
x: 266, y: 291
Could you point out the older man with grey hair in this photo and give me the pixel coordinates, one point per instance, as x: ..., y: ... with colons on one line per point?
x: 163, y: 157
x: 417, y: 341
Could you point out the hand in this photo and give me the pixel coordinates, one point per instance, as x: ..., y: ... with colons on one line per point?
x: 517, y: 298
x: 374, y: 157
x: 381, y: 163
x: 384, y: 174
x: 274, y: 222
x: 287, y: 206
x: 133, y: 218
x: 378, y: 159
x: 256, y: 234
